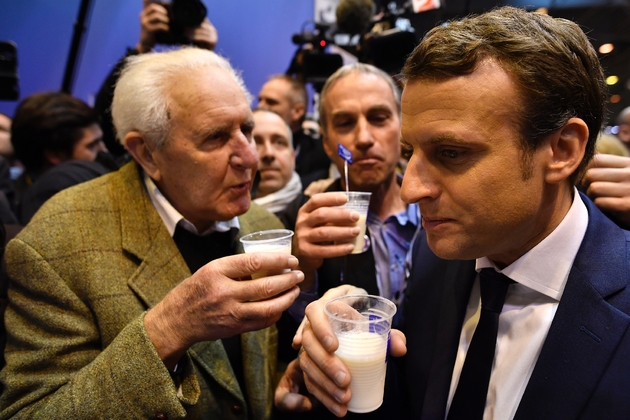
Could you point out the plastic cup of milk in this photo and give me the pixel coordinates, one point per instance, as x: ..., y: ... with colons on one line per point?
x: 358, y: 201
x: 275, y: 240
x: 362, y: 324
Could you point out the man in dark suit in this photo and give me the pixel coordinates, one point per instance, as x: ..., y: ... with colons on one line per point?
x: 127, y: 298
x: 502, y: 111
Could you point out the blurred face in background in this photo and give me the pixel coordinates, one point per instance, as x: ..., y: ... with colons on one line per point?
x: 276, y: 157
x: 276, y: 95
x: 90, y: 144
x: 6, y: 148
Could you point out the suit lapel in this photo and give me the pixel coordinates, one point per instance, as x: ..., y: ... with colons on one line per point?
x: 145, y: 238
x: 161, y: 266
x: 586, y: 329
x: 435, y: 303
x: 458, y: 279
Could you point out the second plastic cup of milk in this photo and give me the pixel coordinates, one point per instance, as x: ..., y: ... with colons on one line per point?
x: 362, y: 324
x: 359, y: 201
x: 275, y: 240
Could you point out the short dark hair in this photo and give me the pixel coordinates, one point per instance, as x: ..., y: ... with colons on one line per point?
x: 50, y: 121
x: 553, y: 64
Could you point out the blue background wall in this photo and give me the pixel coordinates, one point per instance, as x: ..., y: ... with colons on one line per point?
x: 254, y: 34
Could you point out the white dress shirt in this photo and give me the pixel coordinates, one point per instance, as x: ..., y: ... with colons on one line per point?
x: 171, y: 217
x: 531, y: 303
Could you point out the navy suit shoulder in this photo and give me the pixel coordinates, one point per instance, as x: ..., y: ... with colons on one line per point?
x: 583, y: 370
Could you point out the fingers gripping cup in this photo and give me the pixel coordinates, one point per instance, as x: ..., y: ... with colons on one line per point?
x: 275, y: 240
x: 362, y: 324
x: 359, y: 201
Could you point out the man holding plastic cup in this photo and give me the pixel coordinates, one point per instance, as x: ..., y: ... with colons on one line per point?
x: 359, y: 111
x: 503, y: 111
x: 130, y: 295
x: 359, y: 114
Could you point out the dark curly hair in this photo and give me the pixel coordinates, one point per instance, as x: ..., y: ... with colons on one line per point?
x: 50, y: 121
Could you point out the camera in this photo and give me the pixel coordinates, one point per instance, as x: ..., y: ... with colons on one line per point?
x: 315, y: 65
x: 182, y: 14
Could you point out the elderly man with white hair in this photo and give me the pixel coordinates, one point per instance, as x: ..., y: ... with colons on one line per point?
x: 129, y: 297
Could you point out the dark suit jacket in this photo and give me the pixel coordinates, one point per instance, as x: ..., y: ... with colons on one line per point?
x: 84, y: 271
x: 312, y: 162
x: 583, y: 371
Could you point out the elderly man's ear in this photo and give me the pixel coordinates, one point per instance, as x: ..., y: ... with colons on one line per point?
x: 142, y: 152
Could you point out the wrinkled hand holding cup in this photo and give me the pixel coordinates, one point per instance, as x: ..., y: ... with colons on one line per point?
x: 362, y: 324
x: 275, y: 240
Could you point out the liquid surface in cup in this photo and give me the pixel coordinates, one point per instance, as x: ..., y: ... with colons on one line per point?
x: 364, y: 354
x: 284, y: 249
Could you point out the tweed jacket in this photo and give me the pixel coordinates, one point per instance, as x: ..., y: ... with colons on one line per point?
x: 84, y: 272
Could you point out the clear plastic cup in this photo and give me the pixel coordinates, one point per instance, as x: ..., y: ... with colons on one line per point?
x: 275, y: 240
x: 362, y: 324
x: 360, y: 202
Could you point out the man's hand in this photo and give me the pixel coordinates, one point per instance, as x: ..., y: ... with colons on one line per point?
x: 318, y: 225
x: 204, y: 36
x: 288, y: 396
x: 608, y: 185
x: 213, y: 303
x: 153, y: 19
x: 325, y: 375
x: 344, y: 289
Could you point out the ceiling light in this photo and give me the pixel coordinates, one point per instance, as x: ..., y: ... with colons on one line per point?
x: 606, y: 48
x: 611, y: 80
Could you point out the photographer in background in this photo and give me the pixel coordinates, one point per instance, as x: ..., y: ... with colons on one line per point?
x: 178, y: 22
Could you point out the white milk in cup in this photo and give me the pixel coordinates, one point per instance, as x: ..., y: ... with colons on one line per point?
x: 275, y: 240
x: 358, y: 201
x: 362, y: 324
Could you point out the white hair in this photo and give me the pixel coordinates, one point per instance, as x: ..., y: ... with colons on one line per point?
x: 141, y: 98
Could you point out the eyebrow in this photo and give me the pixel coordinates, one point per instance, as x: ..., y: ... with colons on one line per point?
x: 374, y: 108
x: 249, y: 124
x: 440, y: 139
x: 95, y: 142
x: 447, y: 138
x: 381, y: 107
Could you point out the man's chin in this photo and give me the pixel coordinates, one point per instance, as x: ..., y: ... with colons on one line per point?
x: 234, y: 209
x: 451, y: 249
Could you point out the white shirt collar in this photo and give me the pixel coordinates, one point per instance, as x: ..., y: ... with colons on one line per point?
x: 545, y: 268
x: 171, y: 217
